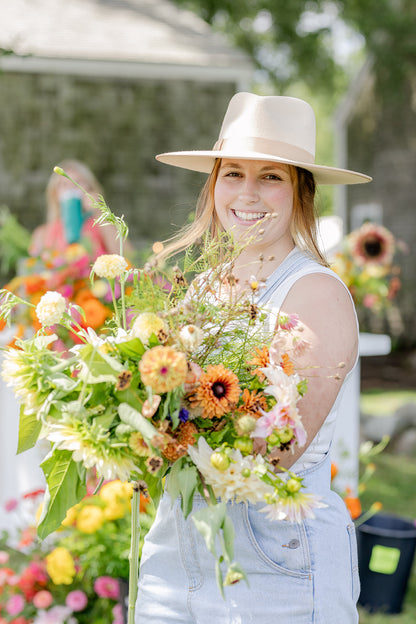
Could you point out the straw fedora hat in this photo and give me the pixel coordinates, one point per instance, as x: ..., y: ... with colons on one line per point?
x: 272, y: 128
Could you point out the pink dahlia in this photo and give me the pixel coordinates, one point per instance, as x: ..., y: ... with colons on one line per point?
x: 107, y: 587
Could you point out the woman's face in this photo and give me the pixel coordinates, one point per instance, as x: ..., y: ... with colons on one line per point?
x: 247, y: 190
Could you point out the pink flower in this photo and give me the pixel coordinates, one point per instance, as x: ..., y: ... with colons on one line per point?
x: 117, y: 614
x: 15, y: 604
x: 11, y: 504
x: 287, y: 321
x: 4, y: 557
x: 42, y: 599
x: 107, y: 587
x: 76, y: 600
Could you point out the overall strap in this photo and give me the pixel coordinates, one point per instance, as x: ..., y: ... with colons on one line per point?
x: 292, y: 264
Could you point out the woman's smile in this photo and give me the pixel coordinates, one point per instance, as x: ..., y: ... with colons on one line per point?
x: 248, y: 217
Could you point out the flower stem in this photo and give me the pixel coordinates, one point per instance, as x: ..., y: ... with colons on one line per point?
x: 134, y: 552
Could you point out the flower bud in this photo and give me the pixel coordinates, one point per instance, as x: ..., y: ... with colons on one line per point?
x: 245, y: 445
x: 293, y: 486
x: 245, y: 424
x: 220, y: 461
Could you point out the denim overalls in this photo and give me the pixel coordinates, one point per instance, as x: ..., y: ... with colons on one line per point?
x: 298, y: 573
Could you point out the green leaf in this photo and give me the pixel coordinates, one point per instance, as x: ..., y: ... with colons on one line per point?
x: 63, y: 382
x: 131, y: 348
x: 172, y: 482
x: 209, y: 521
x: 219, y: 577
x: 229, y: 535
x: 29, y: 430
x: 65, y: 488
x: 188, y: 483
x: 132, y: 417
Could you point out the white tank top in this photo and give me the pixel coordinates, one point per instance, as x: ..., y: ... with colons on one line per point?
x: 296, y: 265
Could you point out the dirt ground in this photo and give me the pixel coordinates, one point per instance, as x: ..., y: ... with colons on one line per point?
x: 396, y: 371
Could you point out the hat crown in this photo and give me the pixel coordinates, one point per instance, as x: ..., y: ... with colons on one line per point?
x: 279, y: 122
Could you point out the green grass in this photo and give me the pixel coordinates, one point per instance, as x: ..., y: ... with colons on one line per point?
x: 384, y: 402
x: 393, y: 484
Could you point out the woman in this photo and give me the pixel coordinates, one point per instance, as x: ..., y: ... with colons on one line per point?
x: 262, y: 178
x: 70, y: 216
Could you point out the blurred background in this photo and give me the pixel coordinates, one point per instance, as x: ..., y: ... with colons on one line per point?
x: 111, y: 83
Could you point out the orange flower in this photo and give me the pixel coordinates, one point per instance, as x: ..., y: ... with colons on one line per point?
x: 95, y: 313
x: 217, y: 393
x: 253, y: 402
x: 260, y: 359
x: 178, y: 447
x: 82, y: 296
x: 2, y: 324
x: 287, y: 365
x: 353, y: 505
x: 334, y: 470
x: 34, y: 283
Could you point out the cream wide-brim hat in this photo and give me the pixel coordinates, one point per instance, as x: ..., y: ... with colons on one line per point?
x: 271, y: 128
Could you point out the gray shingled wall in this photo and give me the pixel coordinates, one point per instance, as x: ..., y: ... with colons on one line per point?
x: 116, y: 127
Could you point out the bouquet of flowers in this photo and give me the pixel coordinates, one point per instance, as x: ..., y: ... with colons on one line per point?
x: 78, y: 573
x: 367, y: 268
x: 193, y: 386
x: 66, y: 272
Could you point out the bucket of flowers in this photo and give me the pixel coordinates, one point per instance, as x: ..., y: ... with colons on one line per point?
x: 193, y: 386
x: 78, y: 574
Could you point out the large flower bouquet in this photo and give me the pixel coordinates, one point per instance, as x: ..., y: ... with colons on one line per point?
x: 77, y: 575
x: 193, y: 387
x: 366, y: 265
x: 66, y: 272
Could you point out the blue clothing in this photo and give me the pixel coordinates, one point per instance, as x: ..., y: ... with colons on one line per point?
x: 304, y: 573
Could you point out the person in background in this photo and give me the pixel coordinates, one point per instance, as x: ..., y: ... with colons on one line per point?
x: 70, y: 216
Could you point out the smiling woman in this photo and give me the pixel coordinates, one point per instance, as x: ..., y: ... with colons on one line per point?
x: 261, y: 188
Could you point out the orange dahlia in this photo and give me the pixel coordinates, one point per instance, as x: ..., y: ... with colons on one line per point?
x: 261, y: 359
x: 217, y: 393
x: 163, y: 369
x: 253, y: 402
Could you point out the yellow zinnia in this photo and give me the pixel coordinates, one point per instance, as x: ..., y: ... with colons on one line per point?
x: 60, y: 566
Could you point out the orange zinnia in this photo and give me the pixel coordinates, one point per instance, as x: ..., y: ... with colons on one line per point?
x: 217, y: 393
x: 253, y: 402
x: 95, y: 313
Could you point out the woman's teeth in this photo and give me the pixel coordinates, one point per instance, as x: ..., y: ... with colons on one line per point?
x: 249, y: 216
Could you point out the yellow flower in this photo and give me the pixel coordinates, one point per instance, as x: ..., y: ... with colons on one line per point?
x: 109, y: 266
x: 116, y: 491
x: 218, y: 391
x: 60, y: 566
x: 147, y: 324
x: 115, y: 511
x: 90, y: 519
x: 50, y: 308
x: 163, y: 369
x: 71, y: 516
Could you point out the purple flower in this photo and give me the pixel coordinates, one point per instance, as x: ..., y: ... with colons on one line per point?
x: 183, y: 415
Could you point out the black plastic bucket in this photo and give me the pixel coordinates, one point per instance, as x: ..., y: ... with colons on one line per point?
x: 386, y: 547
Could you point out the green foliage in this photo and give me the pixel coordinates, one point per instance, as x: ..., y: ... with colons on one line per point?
x: 14, y: 241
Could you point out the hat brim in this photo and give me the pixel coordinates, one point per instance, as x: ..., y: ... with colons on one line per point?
x: 203, y: 161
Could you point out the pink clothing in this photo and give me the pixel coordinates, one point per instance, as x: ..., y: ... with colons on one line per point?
x: 51, y: 236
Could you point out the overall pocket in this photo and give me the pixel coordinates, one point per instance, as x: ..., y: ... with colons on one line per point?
x: 280, y: 544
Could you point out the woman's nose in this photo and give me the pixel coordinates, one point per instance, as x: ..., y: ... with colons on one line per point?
x: 249, y: 192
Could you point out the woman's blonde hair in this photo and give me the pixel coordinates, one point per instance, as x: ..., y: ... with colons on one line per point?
x: 304, y: 217
x: 81, y: 174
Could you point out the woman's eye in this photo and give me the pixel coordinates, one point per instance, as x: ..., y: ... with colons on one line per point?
x: 272, y: 176
x: 232, y: 174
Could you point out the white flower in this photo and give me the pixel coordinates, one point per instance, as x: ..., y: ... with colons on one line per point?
x: 146, y: 324
x: 50, y: 308
x: 42, y: 342
x: 191, y: 337
x: 283, y: 387
x: 109, y: 266
x: 230, y: 484
x: 58, y: 614
x: 294, y: 508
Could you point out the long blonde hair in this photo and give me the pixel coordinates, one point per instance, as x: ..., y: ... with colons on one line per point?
x: 303, y: 226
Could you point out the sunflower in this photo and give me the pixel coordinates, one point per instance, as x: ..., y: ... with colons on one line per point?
x: 217, y: 393
x: 373, y: 244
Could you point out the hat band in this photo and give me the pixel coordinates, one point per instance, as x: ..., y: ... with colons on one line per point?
x: 276, y: 149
